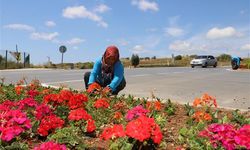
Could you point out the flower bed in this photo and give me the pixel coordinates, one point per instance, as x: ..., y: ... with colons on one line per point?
x: 35, y: 117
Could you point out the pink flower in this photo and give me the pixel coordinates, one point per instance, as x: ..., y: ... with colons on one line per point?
x: 226, y: 135
x: 42, y: 110
x: 50, y: 146
x: 30, y: 102
x: 18, y: 116
x: 242, y: 138
x: 7, y: 134
x: 136, y: 112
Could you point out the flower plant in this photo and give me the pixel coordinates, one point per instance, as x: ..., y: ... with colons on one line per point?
x: 36, y: 117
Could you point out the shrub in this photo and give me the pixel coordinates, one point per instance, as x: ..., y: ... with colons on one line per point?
x: 178, y: 57
x: 135, y: 60
x: 224, y: 57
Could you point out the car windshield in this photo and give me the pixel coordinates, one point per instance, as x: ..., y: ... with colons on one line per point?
x: 200, y: 57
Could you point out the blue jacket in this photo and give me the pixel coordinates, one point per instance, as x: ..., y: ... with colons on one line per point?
x: 96, y: 73
x: 237, y: 59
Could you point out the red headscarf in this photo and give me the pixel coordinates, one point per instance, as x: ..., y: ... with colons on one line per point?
x: 110, y: 51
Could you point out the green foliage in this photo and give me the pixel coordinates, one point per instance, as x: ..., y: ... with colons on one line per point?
x: 135, y: 60
x: 62, y: 112
x: 224, y: 57
x: 87, y: 65
x: 178, y: 57
x: 161, y: 120
x: 239, y: 118
x: 189, y: 136
x: 189, y: 109
x: 121, y: 144
x: 70, y: 136
x: 169, y: 108
x: 13, y: 146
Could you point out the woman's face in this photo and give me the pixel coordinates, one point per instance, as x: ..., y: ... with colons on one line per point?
x: 110, y: 60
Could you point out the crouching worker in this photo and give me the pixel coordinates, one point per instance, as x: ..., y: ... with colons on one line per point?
x: 108, y: 73
x: 235, y: 62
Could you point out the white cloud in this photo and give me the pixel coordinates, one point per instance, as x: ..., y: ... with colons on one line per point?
x: 145, y: 5
x: 200, y: 44
x: 44, y: 36
x: 180, y: 45
x: 50, y: 23
x: 216, y: 33
x: 245, y: 47
x: 20, y: 27
x: 75, y: 41
x: 174, y: 31
x: 137, y: 49
x: 82, y: 12
x: 101, y: 8
x: 123, y: 42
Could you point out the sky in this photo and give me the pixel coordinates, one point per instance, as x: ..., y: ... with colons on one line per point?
x: 145, y: 27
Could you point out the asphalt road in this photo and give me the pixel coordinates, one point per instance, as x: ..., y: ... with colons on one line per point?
x: 230, y: 88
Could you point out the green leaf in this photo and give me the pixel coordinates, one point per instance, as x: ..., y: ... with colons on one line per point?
x: 183, y: 131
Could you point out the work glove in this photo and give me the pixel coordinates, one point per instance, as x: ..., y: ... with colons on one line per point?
x: 94, y: 87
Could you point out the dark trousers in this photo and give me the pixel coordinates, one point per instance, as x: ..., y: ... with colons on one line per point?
x: 234, y: 64
x: 106, y: 81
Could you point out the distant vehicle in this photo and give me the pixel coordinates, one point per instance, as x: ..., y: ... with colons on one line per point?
x: 204, y: 61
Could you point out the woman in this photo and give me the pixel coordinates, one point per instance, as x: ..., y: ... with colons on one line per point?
x: 235, y: 62
x: 108, y: 72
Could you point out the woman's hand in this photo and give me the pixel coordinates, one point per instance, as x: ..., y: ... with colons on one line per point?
x: 107, y: 90
x: 93, y: 87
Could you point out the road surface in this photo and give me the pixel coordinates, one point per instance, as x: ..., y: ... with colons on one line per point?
x: 182, y: 84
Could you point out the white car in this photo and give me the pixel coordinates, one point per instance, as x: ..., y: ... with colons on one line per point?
x: 204, y: 61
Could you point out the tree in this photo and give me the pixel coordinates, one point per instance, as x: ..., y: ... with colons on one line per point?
x: 154, y: 57
x: 224, y: 57
x: 178, y: 57
x: 135, y: 60
x: 1, y: 59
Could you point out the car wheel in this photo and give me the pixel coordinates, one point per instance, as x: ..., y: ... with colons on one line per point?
x: 192, y: 66
x: 215, y: 65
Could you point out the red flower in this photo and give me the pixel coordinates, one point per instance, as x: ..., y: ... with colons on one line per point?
x: 18, y: 89
x: 91, y: 125
x: 32, y: 93
x: 144, y: 128
x: 113, y: 132
x: 77, y: 100
x: 79, y: 114
x: 117, y: 115
x: 65, y: 95
x: 101, y: 103
x: 49, y: 123
x: 55, y: 98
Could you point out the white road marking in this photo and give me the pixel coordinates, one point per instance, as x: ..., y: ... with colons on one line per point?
x: 164, y: 73
x: 69, y: 81
x: 140, y: 75
x: 57, y: 87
